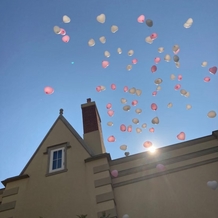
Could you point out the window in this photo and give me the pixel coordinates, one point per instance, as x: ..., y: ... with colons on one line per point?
x: 57, y: 160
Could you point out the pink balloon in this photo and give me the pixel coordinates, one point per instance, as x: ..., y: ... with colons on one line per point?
x: 125, y: 89
x: 113, y: 86
x: 157, y: 60
x: 207, y: 79
x: 181, y: 136
x: 179, y: 77
x: 160, y: 167
x: 177, y: 87
x: 123, y: 128
x: 154, y: 93
x: 176, y: 52
x: 48, y: 90
x: 134, y: 103
x: 141, y: 19
x: 147, y: 144
x: 114, y: 173
x: 110, y: 113
x: 66, y: 38
x: 153, y: 68
x: 111, y: 139
x: 105, y: 64
x: 62, y: 32
x: 153, y: 36
x: 151, y: 129
x: 98, y: 88
x: 213, y: 70
x: 134, y: 61
x: 153, y: 106
x: 129, y: 128
x: 109, y: 106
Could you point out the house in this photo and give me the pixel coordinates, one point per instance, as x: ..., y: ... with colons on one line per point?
x: 69, y: 176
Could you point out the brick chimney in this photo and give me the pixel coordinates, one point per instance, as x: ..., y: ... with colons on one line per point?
x: 92, y: 127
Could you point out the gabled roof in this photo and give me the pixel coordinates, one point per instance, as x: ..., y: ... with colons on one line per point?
x: 72, y: 130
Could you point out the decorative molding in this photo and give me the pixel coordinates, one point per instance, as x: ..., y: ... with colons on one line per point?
x: 104, y: 197
x: 102, y: 168
x: 102, y: 182
x: 99, y: 156
x: 9, y: 192
x: 7, y: 206
x: 15, y: 178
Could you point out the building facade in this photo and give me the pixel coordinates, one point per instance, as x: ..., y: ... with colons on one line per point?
x: 69, y: 176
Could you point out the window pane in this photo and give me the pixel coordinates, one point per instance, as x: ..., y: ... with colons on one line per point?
x: 55, y: 155
x: 59, y: 154
x: 54, y: 166
x: 59, y: 163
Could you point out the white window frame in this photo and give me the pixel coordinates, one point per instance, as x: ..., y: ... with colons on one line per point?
x: 62, y: 160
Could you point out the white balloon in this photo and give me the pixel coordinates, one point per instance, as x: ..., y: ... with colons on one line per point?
x: 119, y: 51
x: 103, y: 88
x: 107, y: 54
x: 138, y: 130
x: 212, y: 184
x: 123, y: 147
x: 169, y: 105
x: 101, y: 18
x: 123, y: 100
x: 167, y: 58
x: 138, y: 111
x: 188, y: 106
x: 126, y: 216
x: 144, y: 125
x: 158, y: 81
x: 211, y: 114
x: 114, y: 29
x: 130, y: 53
x: 158, y: 88
x: 129, y: 67
x: 91, y: 42
x: 172, y: 77
x: 132, y: 91
x: 149, y: 40
x: 110, y: 123
x: 66, y: 19
x: 187, y: 94
x: 204, y: 64
x: 190, y: 21
x: 57, y: 29
x: 155, y: 120
x: 183, y: 92
x: 138, y: 92
x: 161, y: 49
x: 135, y: 120
x: 126, y: 108
x: 102, y: 39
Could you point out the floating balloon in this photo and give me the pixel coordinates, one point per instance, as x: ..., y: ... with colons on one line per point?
x: 187, y: 94
x: 177, y: 64
x: 183, y: 92
x: 123, y: 100
x: 66, y: 19
x: 211, y: 114
x: 138, y: 92
x: 66, y: 38
x: 181, y: 136
x: 144, y: 125
x: 134, y: 61
x: 172, y: 77
x: 48, y: 90
x: 153, y: 68
x: 91, y: 42
x: 110, y: 123
x: 110, y: 113
x: 103, y: 88
x: 161, y: 49
x: 158, y: 88
x: 149, y: 22
x: 63, y: 32
x: 207, y: 79
x: 57, y: 29
x: 129, y: 67
x: 132, y: 91
x: 179, y: 77
x: 212, y: 184
x: 188, y: 106
x: 169, y: 105
x: 204, y: 64
x: 98, y: 88
x: 119, y: 51
x: 177, y: 87
x: 127, y: 154
x: 176, y: 52
x: 107, y: 54
x: 153, y: 36
x: 157, y: 60
x: 135, y: 121
x: 129, y: 128
x: 125, y: 89
x: 158, y: 81
x: 154, y: 93
x: 105, y: 64
x: 153, y: 106
x: 149, y: 40
x: 130, y: 53
x: 114, y: 29
x: 151, y: 129
x: 125, y: 216
x: 123, y: 147
x: 138, y: 130
x: 167, y: 58
x: 123, y: 128
x: 134, y: 102
x: 147, y: 144
x: 175, y: 48
x: 155, y: 120
x: 138, y: 111
x: 160, y: 167
x: 109, y: 106
x: 102, y: 39
x: 213, y: 70
x: 111, y: 139
x: 141, y: 19
x: 126, y: 108
x: 114, y: 173
x: 101, y: 18
x: 176, y: 58
x: 188, y: 23
x: 113, y: 86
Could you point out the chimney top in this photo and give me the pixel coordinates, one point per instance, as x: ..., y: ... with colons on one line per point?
x: 89, y: 100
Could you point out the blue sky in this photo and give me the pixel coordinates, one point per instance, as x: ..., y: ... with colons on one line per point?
x: 33, y: 56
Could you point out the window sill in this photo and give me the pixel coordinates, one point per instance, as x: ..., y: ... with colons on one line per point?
x: 57, y: 172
